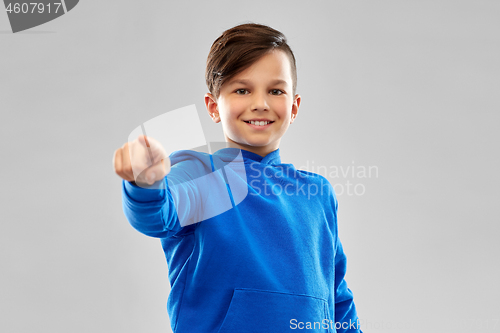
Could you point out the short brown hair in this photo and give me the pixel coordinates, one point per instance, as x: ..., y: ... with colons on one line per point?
x: 238, y: 48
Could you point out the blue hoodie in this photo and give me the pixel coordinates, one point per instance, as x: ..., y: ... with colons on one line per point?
x: 251, y: 244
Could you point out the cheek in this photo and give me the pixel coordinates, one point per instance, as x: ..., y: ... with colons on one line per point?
x: 237, y: 106
x: 230, y: 118
x: 283, y: 110
x: 282, y: 105
x: 235, y: 110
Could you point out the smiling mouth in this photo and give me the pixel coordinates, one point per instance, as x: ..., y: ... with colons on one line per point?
x: 258, y: 123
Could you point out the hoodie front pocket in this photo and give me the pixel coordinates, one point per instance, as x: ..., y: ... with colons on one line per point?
x: 262, y: 311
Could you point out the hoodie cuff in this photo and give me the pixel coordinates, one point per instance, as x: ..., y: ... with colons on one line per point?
x: 154, y: 192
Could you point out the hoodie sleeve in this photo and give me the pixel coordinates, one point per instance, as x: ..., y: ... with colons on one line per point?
x: 346, y: 317
x: 167, y: 207
x: 149, y: 211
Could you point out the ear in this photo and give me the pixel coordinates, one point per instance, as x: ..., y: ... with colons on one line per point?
x: 212, y: 107
x: 295, y: 108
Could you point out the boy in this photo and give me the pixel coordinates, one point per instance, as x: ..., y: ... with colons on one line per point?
x: 271, y: 261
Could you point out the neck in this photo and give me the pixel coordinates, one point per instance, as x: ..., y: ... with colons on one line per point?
x: 259, y: 150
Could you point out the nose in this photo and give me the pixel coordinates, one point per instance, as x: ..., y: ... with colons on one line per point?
x: 259, y: 101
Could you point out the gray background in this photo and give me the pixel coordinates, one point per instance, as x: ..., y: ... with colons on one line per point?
x: 408, y: 87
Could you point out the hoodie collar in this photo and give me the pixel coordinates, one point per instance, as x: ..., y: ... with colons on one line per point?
x: 228, y: 154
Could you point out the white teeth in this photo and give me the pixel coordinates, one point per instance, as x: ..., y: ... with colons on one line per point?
x: 259, y: 123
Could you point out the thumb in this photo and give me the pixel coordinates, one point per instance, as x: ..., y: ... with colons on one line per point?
x: 144, y: 140
x: 158, y: 171
x: 154, y: 173
x: 153, y: 147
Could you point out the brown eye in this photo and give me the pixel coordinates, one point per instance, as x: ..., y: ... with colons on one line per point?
x: 280, y: 91
x: 240, y: 90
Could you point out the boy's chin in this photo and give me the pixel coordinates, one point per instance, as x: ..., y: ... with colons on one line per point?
x: 250, y: 142
x: 255, y: 143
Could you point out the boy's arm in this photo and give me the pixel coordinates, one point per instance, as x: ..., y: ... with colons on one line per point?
x: 172, y: 205
x: 144, y: 209
x: 155, y: 211
x: 346, y: 317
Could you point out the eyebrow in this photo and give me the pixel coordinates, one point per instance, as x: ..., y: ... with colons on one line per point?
x: 278, y: 81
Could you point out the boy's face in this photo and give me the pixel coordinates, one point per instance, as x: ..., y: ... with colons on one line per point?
x: 253, y: 95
